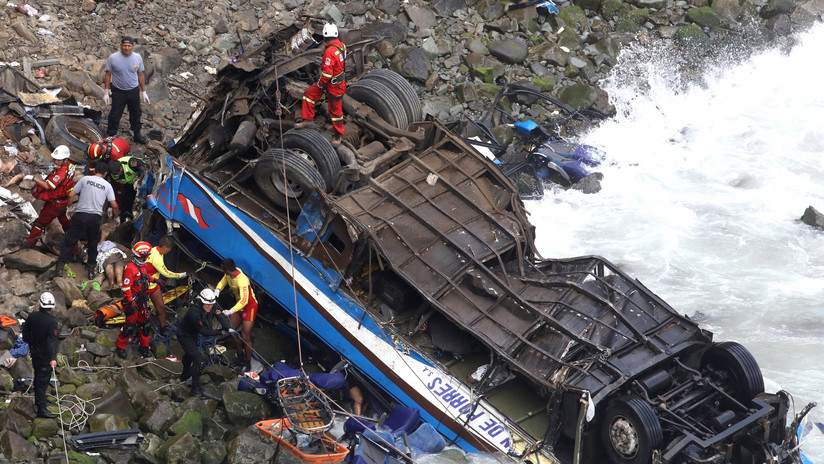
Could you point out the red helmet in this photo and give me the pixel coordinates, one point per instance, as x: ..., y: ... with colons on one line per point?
x: 108, y: 148
x: 141, y: 250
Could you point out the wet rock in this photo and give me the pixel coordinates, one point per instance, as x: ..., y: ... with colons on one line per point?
x: 191, y: 423
x: 812, y: 217
x: 509, y: 50
x: 776, y: 7
x: 248, y: 447
x: 578, y: 96
x: 29, y: 259
x: 16, y: 448
x: 704, y: 17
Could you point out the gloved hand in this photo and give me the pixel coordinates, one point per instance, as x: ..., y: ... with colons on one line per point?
x: 234, y: 333
x: 28, y: 177
x: 229, y: 312
x: 145, y: 96
x: 217, y: 292
x: 128, y: 308
x: 183, y: 275
x: 107, y: 96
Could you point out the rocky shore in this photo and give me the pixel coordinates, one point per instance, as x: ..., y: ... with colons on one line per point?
x: 451, y: 50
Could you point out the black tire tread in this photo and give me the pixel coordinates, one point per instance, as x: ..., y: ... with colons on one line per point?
x: 653, y: 433
x: 58, y: 132
x: 297, y: 169
x: 403, y: 89
x: 741, y: 363
x: 318, y: 148
x: 378, y: 96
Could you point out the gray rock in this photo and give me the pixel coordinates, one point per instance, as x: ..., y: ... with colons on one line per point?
x: 776, y: 7
x: 23, y: 286
x: 421, y: 16
x: 16, y: 448
x: 81, y: 82
x: 15, y: 422
x: 29, y: 259
x: 166, y: 60
x: 248, y: 447
x: 182, y: 448
x: 107, y: 423
x: 243, y: 408
x: 812, y: 217
x: 24, y: 31
x: 447, y: 7
x: 395, y: 32
x: 246, y: 20
x: 490, y: 9
x: 509, y: 51
x: 412, y: 63
x: 390, y: 7
x: 91, y: 391
x: 158, y: 418
x: 213, y: 452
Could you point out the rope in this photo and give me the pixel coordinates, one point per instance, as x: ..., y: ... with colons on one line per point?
x: 60, y: 414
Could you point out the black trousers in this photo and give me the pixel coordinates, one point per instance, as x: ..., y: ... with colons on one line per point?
x: 122, y: 99
x: 84, y: 226
x: 42, y: 374
x: 191, y: 359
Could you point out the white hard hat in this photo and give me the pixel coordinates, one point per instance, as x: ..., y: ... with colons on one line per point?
x: 207, y: 295
x: 60, y: 153
x: 330, y: 30
x: 47, y: 300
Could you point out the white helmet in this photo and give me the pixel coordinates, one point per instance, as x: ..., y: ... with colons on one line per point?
x: 207, y: 295
x: 47, y: 300
x: 330, y: 30
x: 60, y: 153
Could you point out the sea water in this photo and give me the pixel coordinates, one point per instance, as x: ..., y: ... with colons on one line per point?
x: 705, y: 181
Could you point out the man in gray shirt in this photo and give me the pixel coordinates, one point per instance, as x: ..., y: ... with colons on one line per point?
x: 93, y: 191
x: 125, y: 83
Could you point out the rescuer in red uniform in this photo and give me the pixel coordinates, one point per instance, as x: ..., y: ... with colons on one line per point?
x: 332, y: 81
x: 54, y: 190
x: 136, y: 301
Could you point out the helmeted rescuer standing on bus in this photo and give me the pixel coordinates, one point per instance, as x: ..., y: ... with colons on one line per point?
x: 332, y: 81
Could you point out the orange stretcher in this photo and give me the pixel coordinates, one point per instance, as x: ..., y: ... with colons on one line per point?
x: 112, y: 313
x: 322, y: 450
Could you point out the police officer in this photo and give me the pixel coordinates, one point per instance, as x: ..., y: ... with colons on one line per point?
x: 124, y: 172
x: 40, y: 332
x: 194, y: 323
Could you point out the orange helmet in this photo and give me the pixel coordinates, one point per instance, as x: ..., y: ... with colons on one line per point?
x: 141, y: 250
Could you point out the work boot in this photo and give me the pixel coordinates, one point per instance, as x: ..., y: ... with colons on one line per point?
x: 45, y: 413
x: 145, y: 352
x: 304, y: 123
x: 163, y: 331
x: 196, y: 392
x: 336, y: 139
x: 58, y: 270
x: 139, y: 139
x: 239, y: 361
x: 91, y: 271
x: 120, y: 353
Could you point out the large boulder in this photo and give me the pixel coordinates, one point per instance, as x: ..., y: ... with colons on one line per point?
x: 244, y: 408
x: 29, y: 260
x: 248, y: 448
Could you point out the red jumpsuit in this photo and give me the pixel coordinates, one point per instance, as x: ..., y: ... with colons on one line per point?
x: 60, y: 182
x: 136, y: 304
x: 110, y: 148
x: 332, y: 80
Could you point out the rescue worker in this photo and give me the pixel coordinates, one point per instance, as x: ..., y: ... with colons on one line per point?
x: 332, y: 81
x: 93, y: 192
x: 192, y: 324
x: 124, y: 173
x: 40, y: 332
x: 54, y: 191
x: 136, y: 301
x: 110, y: 148
x: 243, y: 313
x: 156, y: 267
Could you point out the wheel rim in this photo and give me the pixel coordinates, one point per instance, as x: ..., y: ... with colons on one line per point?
x: 305, y: 155
x: 624, y: 437
x: 289, y: 189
